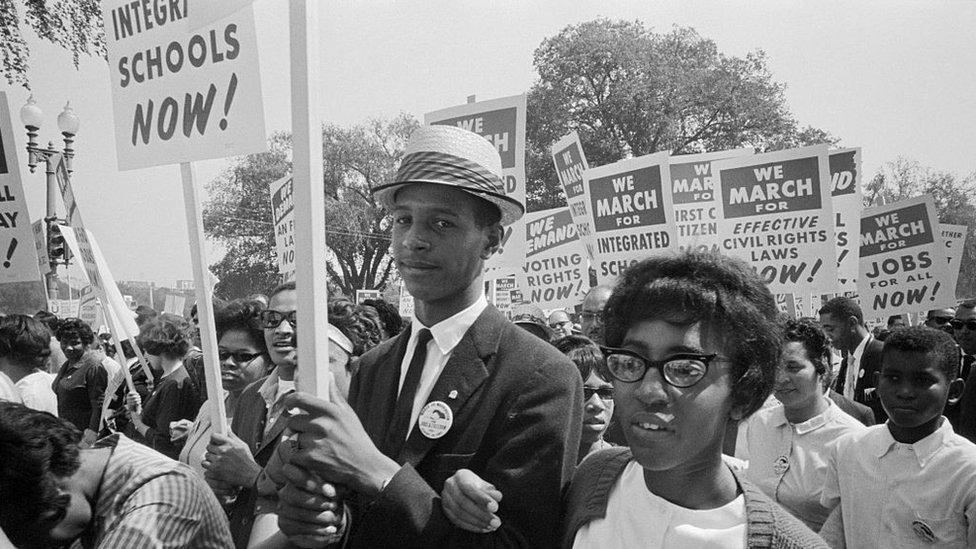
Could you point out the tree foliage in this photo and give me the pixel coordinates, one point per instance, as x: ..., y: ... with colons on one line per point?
x: 629, y: 91
x: 955, y: 202
x: 75, y: 25
x: 238, y: 214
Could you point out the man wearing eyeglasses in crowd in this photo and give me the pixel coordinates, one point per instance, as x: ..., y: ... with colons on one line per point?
x: 560, y: 324
x: 964, y: 330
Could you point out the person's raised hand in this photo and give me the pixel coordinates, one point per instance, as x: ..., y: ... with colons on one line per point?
x: 470, y: 503
x: 333, y: 444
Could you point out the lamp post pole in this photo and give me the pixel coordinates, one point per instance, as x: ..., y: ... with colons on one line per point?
x: 68, y: 123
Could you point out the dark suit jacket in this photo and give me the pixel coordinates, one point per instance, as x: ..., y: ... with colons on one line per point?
x: 856, y: 410
x: 248, y: 424
x: 517, y: 405
x: 967, y: 407
x: 869, y: 367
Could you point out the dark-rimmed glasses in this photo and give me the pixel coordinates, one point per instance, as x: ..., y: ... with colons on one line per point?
x: 270, y: 318
x: 681, y: 370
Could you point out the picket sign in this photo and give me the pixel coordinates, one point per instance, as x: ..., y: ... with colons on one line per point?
x: 18, y: 258
x: 82, y: 244
x: 203, y: 101
x: 309, y: 189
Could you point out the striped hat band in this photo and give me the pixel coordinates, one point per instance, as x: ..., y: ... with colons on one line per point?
x: 438, y: 166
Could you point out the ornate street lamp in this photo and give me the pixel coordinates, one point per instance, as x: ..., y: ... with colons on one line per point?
x: 31, y: 116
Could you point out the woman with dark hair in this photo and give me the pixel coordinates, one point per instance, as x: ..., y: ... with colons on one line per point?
x: 787, y: 445
x: 243, y: 358
x: 693, y: 341
x: 24, y: 351
x: 597, y: 391
x: 166, y: 340
x: 391, y: 323
x: 81, y: 381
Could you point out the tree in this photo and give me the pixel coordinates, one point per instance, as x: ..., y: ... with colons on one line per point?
x: 355, y: 159
x: 629, y: 91
x: 75, y: 25
x: 955, y: 202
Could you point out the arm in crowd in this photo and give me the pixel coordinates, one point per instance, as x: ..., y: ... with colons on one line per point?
x: 96, y: 382
x: 832, y: 530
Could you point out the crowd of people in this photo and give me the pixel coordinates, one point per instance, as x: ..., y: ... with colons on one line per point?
x: 682, y: 410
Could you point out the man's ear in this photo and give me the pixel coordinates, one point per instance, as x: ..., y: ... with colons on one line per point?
x: 496, y: 233
x: 956, y: 388
x: 852, y: 323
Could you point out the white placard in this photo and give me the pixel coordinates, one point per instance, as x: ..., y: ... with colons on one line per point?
x: 178, y: 94
x: 502, y: 123
x: 18, y: 255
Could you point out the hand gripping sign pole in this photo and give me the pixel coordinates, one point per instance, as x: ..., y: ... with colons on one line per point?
x: 309, y: 196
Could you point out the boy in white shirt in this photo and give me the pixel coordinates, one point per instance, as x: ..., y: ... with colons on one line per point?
x: 910, y: 482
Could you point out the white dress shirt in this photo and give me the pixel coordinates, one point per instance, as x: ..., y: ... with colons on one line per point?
x: 446, y: 335
x: 789, y: 461
x: 893, y: 494
x: 36, y: 392
x: 854, y: 367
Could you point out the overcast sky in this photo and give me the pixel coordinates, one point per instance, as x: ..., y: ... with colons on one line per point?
x: 895, y: 78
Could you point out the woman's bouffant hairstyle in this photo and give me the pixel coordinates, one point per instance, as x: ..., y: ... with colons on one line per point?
x: 585, y: 354
x: 735, y: 308
x: 167, y: 335
x: 241, y: 315
x: 71, y: 328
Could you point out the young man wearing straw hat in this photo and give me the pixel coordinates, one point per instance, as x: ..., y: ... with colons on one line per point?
x: 463, y: 388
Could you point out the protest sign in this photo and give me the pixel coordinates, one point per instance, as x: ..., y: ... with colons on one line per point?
x: 363, y: 295
x: 283, y: 214
x: 786, y: 304
x: 630, y: 205
x: 570, y: 162
x: 40, y: 248
x: 502, y: 123
x: 89, y: 308
x: 775, y: 213
x: 902, y: 259
x: 174, y: 304
x: 406, y: 302
x: 18, y: 256
x: 845, y: 196
x: 178, y: 94
x: 498, y: 291
x: 555, y: 273
x: 121, y: 321
x: 692, y: 191
x: 954, y: 237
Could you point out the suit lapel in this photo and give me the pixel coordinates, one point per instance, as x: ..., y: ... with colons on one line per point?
x: 381, y: 387
x: 464, y: 372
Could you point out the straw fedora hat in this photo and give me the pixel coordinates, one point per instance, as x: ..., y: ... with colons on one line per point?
x: 451, y: 156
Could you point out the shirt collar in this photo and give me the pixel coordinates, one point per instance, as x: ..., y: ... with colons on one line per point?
x: 448, y: 332
x: 924, y: 449
x: 859, y: 351
x: 274, y: 388
x: 810, y: 425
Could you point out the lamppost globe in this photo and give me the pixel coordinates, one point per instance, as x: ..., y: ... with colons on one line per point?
x: 68, y: 121
x: 30, y: 114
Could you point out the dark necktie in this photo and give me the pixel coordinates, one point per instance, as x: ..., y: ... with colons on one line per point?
x: 400, y: 423
x: 967, y: 366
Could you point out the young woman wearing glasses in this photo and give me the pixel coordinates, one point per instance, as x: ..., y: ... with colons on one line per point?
x: 692, y: 341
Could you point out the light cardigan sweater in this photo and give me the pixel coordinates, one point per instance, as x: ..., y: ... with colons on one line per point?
x: 768, y: 525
